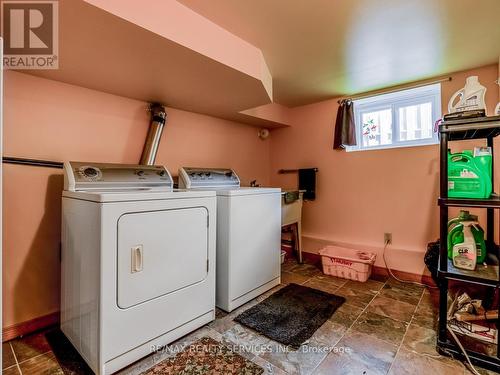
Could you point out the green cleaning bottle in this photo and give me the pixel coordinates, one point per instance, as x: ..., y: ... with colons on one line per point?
x: 464, y: 215
x: 456, y: 234
x: 469, y: 173
x: 465, y: 253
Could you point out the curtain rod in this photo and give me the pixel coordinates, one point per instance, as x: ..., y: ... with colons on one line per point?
x: 393, y: 89
x: 283, y: 171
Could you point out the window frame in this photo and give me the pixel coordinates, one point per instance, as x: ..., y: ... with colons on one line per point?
x: 395, y: 101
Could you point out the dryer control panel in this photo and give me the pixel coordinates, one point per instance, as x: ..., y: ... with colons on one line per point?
x: 83, y: 176
x: 193, y: 178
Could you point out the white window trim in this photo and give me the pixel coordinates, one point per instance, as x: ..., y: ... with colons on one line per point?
x: 395, y: 100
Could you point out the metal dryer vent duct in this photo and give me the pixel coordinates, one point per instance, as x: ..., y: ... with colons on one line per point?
x: 158, y: 118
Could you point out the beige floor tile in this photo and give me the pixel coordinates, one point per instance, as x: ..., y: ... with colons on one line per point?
x: 402, y: 294
x: 323, y: 285
x: 223, y: 324
x: 336, y: 364
x: 354, y: 297
x: 302, y: 361
x: 269, y: 368
x: 331, y: 279
x: 305, y: 269
x: 405, y: 286
x: 409, y: 363
x: 381, y: 327
x: 420, y: 340
x: 8, y: 359
x: 430, y: 297
x: 30, y: 346
x: 329, y: 333
x: 391, y: 308
x: 13, y: 370
x: 290, y: 277
x: 426, y: 316
x: 370, y: 286
x: 346, y: 314
x: 288, y: 264
x: 244, y: 340
x: 44, y: 364
x: 362, y: 354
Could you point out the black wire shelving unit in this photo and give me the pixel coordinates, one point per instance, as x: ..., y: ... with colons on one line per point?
x: 486, y: 128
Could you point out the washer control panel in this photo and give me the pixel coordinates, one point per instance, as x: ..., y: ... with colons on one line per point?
x: 191, y: 178
x: 104, y: 176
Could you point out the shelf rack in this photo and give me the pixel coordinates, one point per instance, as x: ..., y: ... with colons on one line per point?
x: 456, y: 130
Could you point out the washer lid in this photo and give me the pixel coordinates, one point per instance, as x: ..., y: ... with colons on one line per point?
x: 247, y: 191
x: 126, y: 195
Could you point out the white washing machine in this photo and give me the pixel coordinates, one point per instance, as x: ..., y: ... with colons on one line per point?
x: 248, y: 234
x: 138, y: 261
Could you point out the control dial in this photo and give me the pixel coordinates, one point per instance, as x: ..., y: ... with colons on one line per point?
x: 90, y: 173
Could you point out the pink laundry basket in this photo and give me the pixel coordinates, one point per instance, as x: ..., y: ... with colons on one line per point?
x: 347, y: 263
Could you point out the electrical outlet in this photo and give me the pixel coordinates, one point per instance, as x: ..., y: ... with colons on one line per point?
x: 387, y: 238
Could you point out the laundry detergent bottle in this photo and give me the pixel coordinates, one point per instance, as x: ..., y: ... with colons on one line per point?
x: 469, y: 174
x: 469, y: 98
x: 465, y: 253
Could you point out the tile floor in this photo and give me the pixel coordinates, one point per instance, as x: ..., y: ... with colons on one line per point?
x: 385, y: 327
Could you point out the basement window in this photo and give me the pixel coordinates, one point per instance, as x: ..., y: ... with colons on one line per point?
x: 399, y: 119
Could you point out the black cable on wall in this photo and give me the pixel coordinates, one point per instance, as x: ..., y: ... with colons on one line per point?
x: 33, y: 162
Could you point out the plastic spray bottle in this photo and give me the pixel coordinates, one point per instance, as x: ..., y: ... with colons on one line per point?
x: 465, y: 253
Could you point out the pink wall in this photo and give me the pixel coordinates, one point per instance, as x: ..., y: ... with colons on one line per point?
x: 361, y: 195
x: 50, y: 120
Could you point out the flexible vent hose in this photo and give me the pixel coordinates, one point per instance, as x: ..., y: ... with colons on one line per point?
x: 158, y: 118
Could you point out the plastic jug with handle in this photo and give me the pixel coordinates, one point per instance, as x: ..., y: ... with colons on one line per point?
x: 456, y: 234
x: 469, y: 174
x: 465, y: 253
x: 470, y: 97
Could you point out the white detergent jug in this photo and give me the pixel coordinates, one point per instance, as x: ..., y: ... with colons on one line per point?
x: 497, y: 110
x: 471, y: 97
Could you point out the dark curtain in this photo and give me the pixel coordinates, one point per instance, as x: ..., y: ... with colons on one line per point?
x: 345, y: 130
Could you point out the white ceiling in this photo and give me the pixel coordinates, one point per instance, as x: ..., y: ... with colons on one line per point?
x: 318, y: 49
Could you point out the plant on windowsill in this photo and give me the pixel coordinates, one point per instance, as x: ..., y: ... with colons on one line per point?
x: 370, y: 129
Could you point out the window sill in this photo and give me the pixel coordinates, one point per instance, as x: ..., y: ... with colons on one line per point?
x: 388, y: 147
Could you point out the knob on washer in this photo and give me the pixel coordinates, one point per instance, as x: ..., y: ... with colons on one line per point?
x: 90, y: 172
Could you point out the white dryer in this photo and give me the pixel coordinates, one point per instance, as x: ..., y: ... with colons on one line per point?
x: 138, y: 261
x: 248, y: 234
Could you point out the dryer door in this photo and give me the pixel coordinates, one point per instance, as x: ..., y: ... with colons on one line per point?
x: 160, y: 252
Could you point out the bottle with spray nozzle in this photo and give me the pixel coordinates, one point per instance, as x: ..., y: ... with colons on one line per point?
x: 465, y: 253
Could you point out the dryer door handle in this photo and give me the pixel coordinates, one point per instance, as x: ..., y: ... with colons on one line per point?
x: 137, y: 258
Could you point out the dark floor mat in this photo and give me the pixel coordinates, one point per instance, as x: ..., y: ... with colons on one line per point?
x: 68, y: 358
x: 292, y: 314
